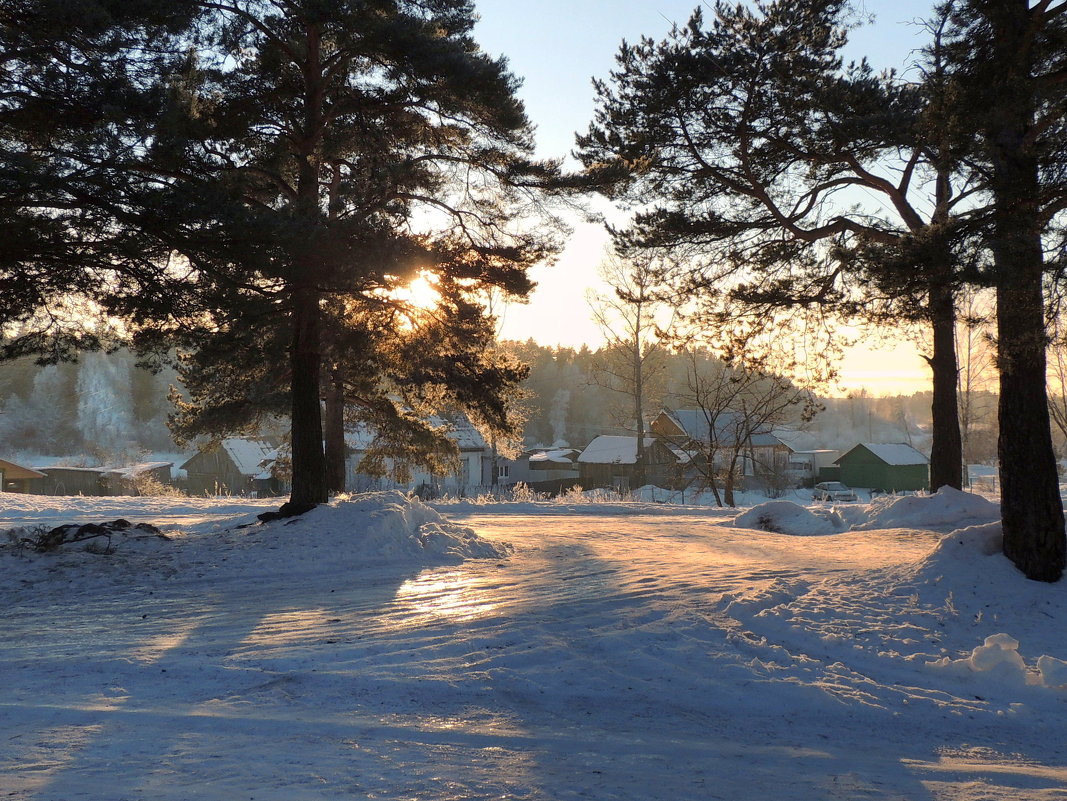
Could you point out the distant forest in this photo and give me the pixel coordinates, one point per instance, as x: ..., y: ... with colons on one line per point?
x: 105, y: 408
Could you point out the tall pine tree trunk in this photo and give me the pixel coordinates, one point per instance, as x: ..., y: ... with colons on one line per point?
x: 334, y: 432
x: 1030, y: 501
x: 309, y: 461
x: 946, y: 452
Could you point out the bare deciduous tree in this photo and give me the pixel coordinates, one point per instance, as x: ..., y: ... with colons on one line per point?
x: 633, y: 318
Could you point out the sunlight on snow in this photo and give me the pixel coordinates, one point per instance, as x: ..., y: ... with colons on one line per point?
x: 157, y: 647
x: 450, y: 595
x: 290, y: 626
x: 52, y: 750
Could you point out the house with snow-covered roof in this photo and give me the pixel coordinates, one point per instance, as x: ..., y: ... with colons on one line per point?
x: 716, y: 440
x: 611, y: 461
x: 232, y: 467
x: 475, y: 462
x: 134, y: 479
x: 885, y: 467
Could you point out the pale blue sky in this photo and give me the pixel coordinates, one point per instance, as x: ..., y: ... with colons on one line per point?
x: 557, y: 47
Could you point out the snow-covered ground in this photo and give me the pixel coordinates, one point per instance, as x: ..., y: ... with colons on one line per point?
x: 378, y: 648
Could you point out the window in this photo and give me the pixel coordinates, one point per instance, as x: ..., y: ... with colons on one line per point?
x: 503, y: 471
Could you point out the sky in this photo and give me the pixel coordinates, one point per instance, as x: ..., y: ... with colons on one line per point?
x: 557, y: 47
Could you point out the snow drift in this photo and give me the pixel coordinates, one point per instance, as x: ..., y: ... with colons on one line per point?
x: 361, y: 529
x: 998, y: 658
x: 786, y: 517
x: 386, y: 526
x: 946, y: 507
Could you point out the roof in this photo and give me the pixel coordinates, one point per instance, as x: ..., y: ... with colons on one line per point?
x: 766, y: 440
x: 557, y: 456
x: 897, y: 454
x: 680, y: 454
x: 467, y: 437
x: 134, y: 470
x: 461, y: 432
x: 14, y: 471
x: 608, y: 449
x: 727, y: 424
x: 248, y: 454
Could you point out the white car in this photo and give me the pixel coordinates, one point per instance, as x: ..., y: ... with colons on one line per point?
x: 833, y: 491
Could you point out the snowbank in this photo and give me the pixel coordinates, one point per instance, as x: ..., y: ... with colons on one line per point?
x: 375, y: 528
x: 786, y: 517
x: 969, y: 542
x: 946, y: 507
x: 385, y: 526
x: 998, y: 659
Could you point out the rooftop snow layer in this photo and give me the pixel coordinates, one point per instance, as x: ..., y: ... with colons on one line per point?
x: 608, y: 449
x: 562, y: 456
x: 896, y: 453
x: 248, y: 454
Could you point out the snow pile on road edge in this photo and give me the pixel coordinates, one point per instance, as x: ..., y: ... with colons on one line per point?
x: 384, y: 527
x: 786, y: 517
x: 389, y: 526
x: 946, y: 507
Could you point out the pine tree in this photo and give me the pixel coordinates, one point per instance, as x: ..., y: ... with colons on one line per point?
x: 267, y: 160
x: 1011, y: 62
x: 72, y: 105
x: 737, y: 142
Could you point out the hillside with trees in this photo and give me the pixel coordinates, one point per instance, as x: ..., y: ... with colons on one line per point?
x: 105, y: 407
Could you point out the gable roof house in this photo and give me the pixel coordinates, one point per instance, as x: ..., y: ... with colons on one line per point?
x: 689, y: 429
x: 475, y: 463
x: 885, y: 467
x: 611, y: 461
x: 16, y: 478
x: 234, y: 467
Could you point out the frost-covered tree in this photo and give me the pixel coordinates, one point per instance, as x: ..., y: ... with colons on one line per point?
x: 105, y: 403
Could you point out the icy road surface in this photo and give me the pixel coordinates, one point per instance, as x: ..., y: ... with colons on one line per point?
x: 628, y: 656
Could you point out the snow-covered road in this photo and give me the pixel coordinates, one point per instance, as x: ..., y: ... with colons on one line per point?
x: 612, y: 656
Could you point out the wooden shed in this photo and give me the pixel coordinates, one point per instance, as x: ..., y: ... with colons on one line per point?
x: 133, y: 479
x: 234, y: 467
x: 611, y: 461
x: 885, y: 467
x: 66, y: 480
x: 16, y: 478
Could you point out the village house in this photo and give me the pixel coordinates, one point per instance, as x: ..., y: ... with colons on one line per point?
x: 611, y: 461
x: 760, y: 453
x: 16, y: 478
x: 552, y: 470
x: 68, y: 480
x: 135, y: 479
x: 885, y: 467
x: 233, y: 467
x: 474, y: 473
x: 808, y: 468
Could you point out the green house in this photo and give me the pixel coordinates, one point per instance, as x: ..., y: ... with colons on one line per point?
x: 885, y: 467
